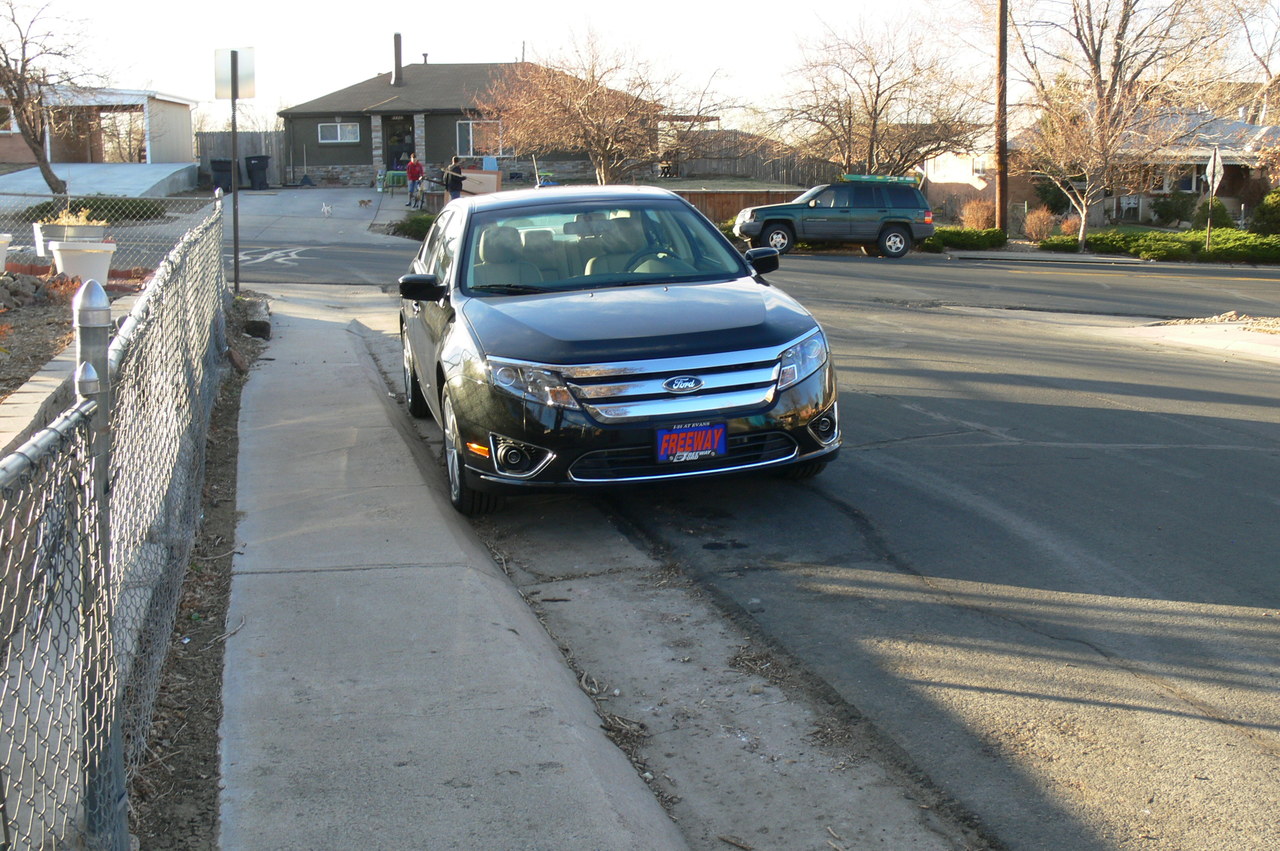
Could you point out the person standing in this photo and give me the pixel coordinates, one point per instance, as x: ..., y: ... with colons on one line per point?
x: 413, y: 172
x: 453, y: 178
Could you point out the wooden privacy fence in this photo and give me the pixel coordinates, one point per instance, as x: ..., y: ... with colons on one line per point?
x: 217, y: 146
x: 721, y: 205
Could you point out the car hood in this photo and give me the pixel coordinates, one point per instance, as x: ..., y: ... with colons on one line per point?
x: 785, y: 207
x: 636, y: 322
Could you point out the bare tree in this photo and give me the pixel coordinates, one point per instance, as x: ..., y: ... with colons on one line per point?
x: 36, y: 61
x: 1258, y: 25
x: 611, y: 107
x: 882, y: 101
x: 1115, y: 85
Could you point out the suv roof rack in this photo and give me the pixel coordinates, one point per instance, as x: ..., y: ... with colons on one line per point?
x: 877, y: 178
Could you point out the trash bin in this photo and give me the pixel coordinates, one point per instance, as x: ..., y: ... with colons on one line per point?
x: 221, y: 174
x: 257, y: 168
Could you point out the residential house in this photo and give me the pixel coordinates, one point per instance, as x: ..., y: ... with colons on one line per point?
x: 351, y: 135
x: 951, y: 179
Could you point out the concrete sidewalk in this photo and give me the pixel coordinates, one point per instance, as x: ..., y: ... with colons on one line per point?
x: 385, y: 685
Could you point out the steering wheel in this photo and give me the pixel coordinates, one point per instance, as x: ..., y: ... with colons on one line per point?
x: 634, y: 260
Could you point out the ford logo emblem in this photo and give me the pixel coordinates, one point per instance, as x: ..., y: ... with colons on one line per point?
x: 683, y: 384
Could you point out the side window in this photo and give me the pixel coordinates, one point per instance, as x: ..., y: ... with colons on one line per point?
x: 864, y: 195
x: 844, y: 196
x: 904, y: 196
x: 432, y: 242
x: 443, y: 260
x: 826, y: 198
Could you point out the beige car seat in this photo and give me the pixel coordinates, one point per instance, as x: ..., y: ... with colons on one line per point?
x: 501, y: 259
x: 623, y: 239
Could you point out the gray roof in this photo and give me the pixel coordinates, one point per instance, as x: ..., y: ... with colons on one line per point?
x: 427, y: 88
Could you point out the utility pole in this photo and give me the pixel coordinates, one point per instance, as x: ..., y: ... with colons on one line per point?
x: 1002, y: 118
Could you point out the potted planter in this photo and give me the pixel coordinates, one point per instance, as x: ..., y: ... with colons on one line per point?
x: 5, y: 239
x: 46, y: 232
x: 83, y: 259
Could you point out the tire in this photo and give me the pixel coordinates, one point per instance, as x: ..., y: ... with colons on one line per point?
x: 894, y: 241
x: 779, y: 237
x: 465, y: 500
x: 414, y: 399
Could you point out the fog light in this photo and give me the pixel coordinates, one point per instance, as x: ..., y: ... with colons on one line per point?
x: 824, y: 426
x: 517, y: 459
x: 513, y: 458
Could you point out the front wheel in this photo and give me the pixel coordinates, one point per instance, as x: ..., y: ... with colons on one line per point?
x: 414, y: 399
x: 465, y: 499
x: 894, y: 242
x: 779, y: 237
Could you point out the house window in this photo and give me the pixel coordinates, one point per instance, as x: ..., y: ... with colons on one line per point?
x: 7, y: 124
x: 339, y: 132
x: 480, y: 139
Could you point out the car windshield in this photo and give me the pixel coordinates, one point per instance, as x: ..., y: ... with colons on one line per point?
x: 589, y: 245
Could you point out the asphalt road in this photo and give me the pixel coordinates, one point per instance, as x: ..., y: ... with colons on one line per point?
x: 1045, y: 562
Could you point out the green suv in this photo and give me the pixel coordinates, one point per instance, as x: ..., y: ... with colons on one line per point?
x: 887, y: 215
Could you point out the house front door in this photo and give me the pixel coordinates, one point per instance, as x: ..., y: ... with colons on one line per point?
x: 397, y: 134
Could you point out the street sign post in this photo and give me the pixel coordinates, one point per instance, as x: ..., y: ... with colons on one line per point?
x: 233, y: 78
x: 1213, y: 171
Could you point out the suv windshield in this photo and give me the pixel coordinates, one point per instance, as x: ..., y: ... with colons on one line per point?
x: 582, y: 246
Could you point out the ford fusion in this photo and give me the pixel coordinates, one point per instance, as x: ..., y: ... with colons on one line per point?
x: 577, y: 337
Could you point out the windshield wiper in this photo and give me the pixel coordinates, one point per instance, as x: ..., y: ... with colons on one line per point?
x: 511, y: 289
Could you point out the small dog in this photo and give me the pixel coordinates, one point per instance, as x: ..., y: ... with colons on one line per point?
x: 365, y: 202
x: 326, y: 209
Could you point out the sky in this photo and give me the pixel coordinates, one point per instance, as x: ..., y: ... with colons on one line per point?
x: 303, y: 51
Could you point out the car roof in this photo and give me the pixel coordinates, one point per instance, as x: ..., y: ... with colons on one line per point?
x: 558, y: 194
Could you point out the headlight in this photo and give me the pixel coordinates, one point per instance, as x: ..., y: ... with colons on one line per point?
x: 803, y: 359
x: 746, y: 215
x: 531, y: 382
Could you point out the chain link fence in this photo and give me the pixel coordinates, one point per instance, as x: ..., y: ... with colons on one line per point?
x: 90, y: 584
x: 141, y: 231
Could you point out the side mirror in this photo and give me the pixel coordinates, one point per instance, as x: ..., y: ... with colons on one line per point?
x: 813, y: 202
x: 422, y: 288
x: 763, y: 260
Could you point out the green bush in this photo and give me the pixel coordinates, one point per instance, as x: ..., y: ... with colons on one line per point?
x: 1159, y: 246
x: 1221, y: 218
x: 967, y: 239
x: 1111, y: 241
x: 1266, y: 216
x: 932, y: 244
x: 414, y: 225
x: 1060, y: 244
x: 1174, y: 208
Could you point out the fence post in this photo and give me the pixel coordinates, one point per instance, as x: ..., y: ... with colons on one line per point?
x: 105, y: 803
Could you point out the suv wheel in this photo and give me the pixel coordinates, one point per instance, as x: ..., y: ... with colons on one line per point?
x: 779, y: 237
x: 894, y: 241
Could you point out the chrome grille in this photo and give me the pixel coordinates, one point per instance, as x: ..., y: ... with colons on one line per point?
x: 633, y: 391
x: 639, y: 462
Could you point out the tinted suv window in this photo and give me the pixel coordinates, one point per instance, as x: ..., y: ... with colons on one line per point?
x: 864, y: 195
x: 904, y: 196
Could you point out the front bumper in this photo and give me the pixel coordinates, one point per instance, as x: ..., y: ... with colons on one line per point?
x: 747, y: 230
x: 801, y: 425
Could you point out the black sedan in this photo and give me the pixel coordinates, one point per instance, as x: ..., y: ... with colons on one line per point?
x: 577, y: 337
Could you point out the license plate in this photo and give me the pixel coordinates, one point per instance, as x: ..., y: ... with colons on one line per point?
x: 689, y: 443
